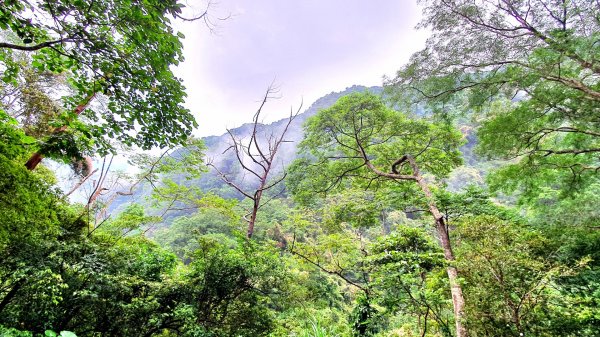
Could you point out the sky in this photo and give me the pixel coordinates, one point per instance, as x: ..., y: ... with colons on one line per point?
x: 306, y: 48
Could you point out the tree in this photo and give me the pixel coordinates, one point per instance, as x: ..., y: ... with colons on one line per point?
x: 120, y: 50
x: 257, y: 159
x: 407, y: 270
x: 358, y: 136
x: 512, y: 278
x: 31, y: 100
x: 229, y: 289
x: 155, y: 173
x: 337, y: 247
x: 59, y: 272
x: 181, y: 235
x: 531, y: 66
x: 30, y: 212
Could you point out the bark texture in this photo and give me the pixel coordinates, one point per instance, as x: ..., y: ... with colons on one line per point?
x: 458, y: 299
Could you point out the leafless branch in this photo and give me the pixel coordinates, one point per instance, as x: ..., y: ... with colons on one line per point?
x: 81, y: 182
x: 261, y: 155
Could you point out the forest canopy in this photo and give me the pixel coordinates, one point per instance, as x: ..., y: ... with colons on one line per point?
x: 459, y: 199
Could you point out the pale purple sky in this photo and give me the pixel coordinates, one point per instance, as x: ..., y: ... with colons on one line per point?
x: 308, y: 47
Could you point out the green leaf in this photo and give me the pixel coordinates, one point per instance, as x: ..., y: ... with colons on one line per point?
x: 67, y: 334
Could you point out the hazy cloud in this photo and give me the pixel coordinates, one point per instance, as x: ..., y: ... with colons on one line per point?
x: 309, y: 47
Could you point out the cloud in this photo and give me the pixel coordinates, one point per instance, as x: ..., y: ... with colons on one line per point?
x: 309, y: 47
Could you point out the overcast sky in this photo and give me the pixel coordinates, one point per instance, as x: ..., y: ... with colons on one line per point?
x: 308, y: 47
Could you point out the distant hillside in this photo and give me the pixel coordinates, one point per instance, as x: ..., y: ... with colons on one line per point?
x: 472, y: 172
x: 216, y: 145
x: 227, y: 162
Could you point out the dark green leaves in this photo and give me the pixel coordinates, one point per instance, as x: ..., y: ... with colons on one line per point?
x: 120, y: 49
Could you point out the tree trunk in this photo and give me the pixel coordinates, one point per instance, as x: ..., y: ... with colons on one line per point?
x: 458, y: 300
x: 33, y: 161
x: 11, y: 294
x: 256, y: 205
x: 256, y: 200
x: 37, y: 157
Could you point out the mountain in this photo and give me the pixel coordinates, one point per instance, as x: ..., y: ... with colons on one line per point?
x: 473, y: 171
x: 227, y: 163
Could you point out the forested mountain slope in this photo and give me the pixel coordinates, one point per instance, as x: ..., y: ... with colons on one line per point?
x: 216, y: 147
x: 471, y: 173
x: 474, y: 214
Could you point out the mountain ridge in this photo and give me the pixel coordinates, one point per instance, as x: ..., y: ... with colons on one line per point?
x: 217, y: 145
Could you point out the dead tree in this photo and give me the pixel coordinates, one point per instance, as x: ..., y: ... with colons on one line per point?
x: 256, y: 157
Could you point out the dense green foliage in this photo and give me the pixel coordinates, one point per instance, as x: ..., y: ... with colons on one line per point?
x: 352, y: 247
x: 119, y: 50
x: 60, y: 274
x: 342, y: 141
x: 527, y: 72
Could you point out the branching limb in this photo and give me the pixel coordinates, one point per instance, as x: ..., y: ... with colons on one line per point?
x: 331, y: 272
x: 261, y: 159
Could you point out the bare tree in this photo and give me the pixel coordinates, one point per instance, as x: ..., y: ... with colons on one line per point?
x: 256, y: 157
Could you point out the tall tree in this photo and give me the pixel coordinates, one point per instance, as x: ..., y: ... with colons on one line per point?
x: 361, y: 139
x: 540, y: 57
x: 120, y: 50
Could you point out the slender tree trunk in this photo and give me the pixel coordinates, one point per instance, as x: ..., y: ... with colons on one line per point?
x: 254, y: 213
x: 458, y: 299
x: 256, y: 200
x: 37, y: 157
x: 11, y: 294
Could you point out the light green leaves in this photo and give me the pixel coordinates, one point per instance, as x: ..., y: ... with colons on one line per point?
x: 360, y: 129
x: 50, y: 333
x: 528, y: 75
